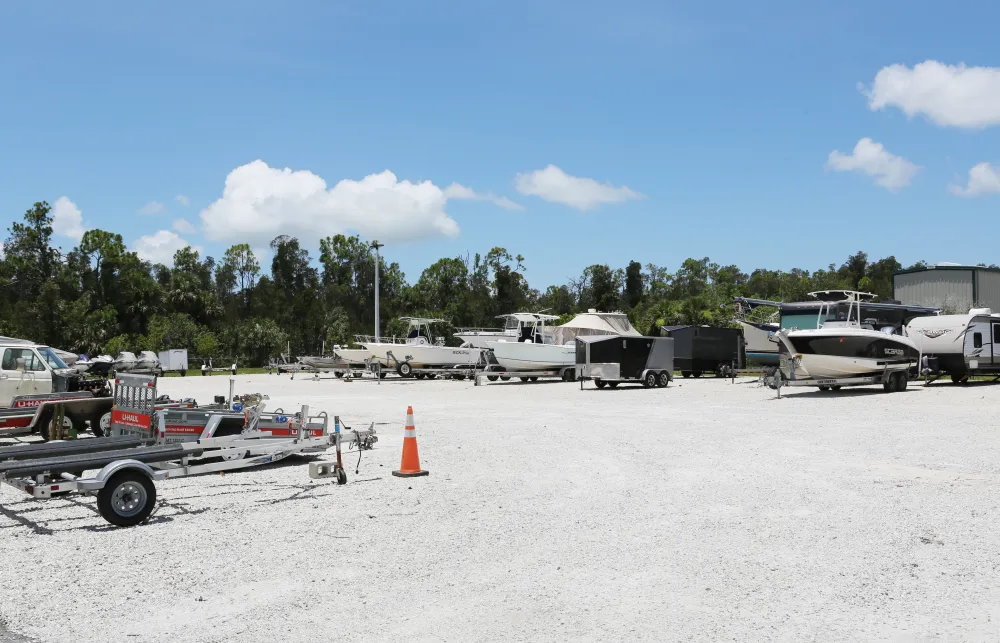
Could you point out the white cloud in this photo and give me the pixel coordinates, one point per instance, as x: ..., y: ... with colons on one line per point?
x: 948, y: 95
x: 67, y: 220
x: 184, y: 226
x: 160, y: 247
x: 456, y: 191
x: 183, y: 200
x: 153, y: 207
x: 983, y: 179
x: 889, y: 171
x: 260, y: 202
x: 554, y: 185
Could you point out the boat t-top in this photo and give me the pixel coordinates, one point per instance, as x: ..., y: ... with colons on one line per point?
x: 419, y: 349
x: 518, y: 327
x: 854, y: 337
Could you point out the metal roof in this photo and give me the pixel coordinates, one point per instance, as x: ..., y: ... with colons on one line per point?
x: 947, y: 267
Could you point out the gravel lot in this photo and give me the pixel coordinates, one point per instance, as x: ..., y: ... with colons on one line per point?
x: 704, y: 512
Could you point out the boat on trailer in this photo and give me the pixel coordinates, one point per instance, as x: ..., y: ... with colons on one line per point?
x: 420, y: 349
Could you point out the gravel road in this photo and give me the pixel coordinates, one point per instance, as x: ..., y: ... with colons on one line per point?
x: 707, y: 511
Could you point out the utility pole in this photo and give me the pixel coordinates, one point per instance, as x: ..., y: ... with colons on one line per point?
x: 375, y: 244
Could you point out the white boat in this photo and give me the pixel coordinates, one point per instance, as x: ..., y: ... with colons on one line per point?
x: 320, y: 363
x: 352, y: 356
x: 125, y: 361
x: 518, y: 327
x: 419, y: 349
x: 147, y: 361
x: 846, y: 343
x: 551, y: 349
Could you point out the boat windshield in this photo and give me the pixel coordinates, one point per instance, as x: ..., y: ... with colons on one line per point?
x: 511, y: 323
x: 50, y: 356
x: 840, y: 312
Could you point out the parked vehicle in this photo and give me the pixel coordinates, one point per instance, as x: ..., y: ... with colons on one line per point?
x: 702, y: 349
x: 611, y: 360
x: 958, y: 345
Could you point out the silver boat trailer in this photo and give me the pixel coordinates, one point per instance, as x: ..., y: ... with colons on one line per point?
x: 149, y: 445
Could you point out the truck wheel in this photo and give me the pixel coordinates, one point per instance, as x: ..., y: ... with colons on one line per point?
x: 650, y: 380
x: 404, y: 369
x: 600, y: 383
x: 127, y: 499
x: 663, y: 380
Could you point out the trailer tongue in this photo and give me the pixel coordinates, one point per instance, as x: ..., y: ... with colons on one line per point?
x: 149, y: 444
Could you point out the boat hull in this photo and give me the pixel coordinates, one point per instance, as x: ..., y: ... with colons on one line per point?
x: 481, y: 339
x: 844, y: 353
x: 424, y: 355
x: 525, y: 356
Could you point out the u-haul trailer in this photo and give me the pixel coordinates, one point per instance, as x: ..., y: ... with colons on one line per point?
x: 149, y: 445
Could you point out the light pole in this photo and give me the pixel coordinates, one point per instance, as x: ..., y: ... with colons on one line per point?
x: 375, y: 244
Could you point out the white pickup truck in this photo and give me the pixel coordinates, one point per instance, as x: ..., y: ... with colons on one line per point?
x: 34, y: 381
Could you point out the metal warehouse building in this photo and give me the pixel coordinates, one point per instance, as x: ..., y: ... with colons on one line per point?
x: 953, y: 289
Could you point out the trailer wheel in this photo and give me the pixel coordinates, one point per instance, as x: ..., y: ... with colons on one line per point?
x: 505, y: 378
x: 492, y: 378
x: 432, y: 376
x: 533, y: 378
x: 686, y: 374
x: 522, y: 378
x: 613, y: 384
x: 824, y: 388
x: 421, y: 376
x: 663, y: 380
x: 696, y: 373
x: 600, y: 383
x: 341, y: 477
x: 836, y: 387
x: 404, y: 369
x: 184, y: 372
x: 959, y: 379
x: 902, y: 382
x: 650, y: 380
x: 100, y: 424
x: 127, y: 499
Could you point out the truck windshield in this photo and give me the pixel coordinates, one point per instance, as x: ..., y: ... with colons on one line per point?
x: 49, y: 355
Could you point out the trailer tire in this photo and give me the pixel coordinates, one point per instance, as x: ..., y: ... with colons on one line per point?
x: 127, y: 499
x: 505, y: 378
x: 836, y: 387
x: 663, y: 379
x: 696, y: 373
x: 432, y: 376
x: 613, y: 384
x: 492, y: 378
x: 341, y: 477
x: 522, y: 378
x: 600, y: 383
x: 686, y: 374
x: 404, y: 369
x: 184, y: 372
x: 823, y: 388
x: 533, y: 378
x: 420, y: 376
x: 650, y: 380
x: 100, y: 424
x: 959, y: 379
x: 902, y: 383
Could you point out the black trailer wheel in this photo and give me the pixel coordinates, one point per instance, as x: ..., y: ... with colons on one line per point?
x: 460, y: 376
x: 613, y: 384
x: 533, y: 378
x: 522, y: 378
x: 432, y: 376
x: 650, y: 380
x: 696, y: 373
x: 663, y: 379
x: 959, y: 379
x: 600, y: 383
x: 492, y: 378
x: 341, y: 477
x: 824, y: 388
x: 902, y: 382
x: 686, y: 373
x: 421, y: 376
x: 505, y: 378
x: 127, y: 499
x: 184, y: 372
x: 338, y: 374
x: 836, y: 387
x: 404, y: 369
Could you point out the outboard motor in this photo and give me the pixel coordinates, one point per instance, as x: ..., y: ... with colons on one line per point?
x: 65, y: 380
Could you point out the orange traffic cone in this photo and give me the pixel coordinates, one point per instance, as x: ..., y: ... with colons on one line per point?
x: 410, y: 465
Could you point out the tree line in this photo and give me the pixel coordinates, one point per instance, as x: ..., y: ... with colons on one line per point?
x: 101, y: 297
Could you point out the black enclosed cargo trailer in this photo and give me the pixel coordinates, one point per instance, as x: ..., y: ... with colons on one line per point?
x: 612, y: 359
x: 703, y: 349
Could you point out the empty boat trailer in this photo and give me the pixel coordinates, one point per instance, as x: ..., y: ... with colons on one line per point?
x: 150, y: 445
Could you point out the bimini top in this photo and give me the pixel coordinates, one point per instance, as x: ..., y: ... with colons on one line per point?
x: 413, y: 321
x: 842, y: 295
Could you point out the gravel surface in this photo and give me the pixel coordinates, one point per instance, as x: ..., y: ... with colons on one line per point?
x: 708, y: 511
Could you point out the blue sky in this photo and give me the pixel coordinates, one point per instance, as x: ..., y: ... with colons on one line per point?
x: 718, y: 117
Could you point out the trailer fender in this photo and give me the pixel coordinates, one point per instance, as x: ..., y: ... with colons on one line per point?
x: 97, y: 482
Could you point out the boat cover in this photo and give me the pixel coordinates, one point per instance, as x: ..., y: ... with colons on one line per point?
x: 594, y: 324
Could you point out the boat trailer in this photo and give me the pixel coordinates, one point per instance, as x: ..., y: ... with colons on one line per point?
x: 149, y: 444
